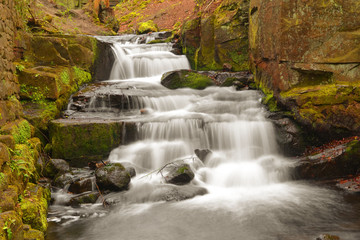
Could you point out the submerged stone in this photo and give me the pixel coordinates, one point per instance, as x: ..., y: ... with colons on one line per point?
x: 86, y: 197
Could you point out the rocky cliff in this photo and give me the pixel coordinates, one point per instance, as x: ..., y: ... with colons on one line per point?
x: 218, y: 36
x: 307, y: 54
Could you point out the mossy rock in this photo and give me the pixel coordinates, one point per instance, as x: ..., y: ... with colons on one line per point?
x: 186, y: 79
x: 34, y: 206
x: 4, y: 154
x: 19, y: 129
x: 146, y: 27
x: 80, y: 142
x: 32, y: 234
x: 8, y: 199
x: 8, y: 141
x: 11, y: 226
x: 112, y: 177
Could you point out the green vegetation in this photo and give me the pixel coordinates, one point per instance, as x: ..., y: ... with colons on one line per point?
x: 146, y: 27
x: 186, y: 79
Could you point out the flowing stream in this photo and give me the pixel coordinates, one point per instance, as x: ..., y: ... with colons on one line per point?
x: 250, y: 192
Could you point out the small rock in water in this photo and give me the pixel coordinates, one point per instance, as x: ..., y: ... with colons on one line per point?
x: 82, y: 185
x: 178, y: 174
x: 202, y: 154
x: 327, y: 237
x: 112, y: 177
x: 86, y: 197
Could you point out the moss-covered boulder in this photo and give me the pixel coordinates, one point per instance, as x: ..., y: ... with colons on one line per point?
x: 34, y: 206
x: 178, y: 174
x: 19, y: 129
x: 219, y: 38
x: 54, y: 167
x: 82, y: 141
x: 32, y: 234
x: 11, y: 226
x: 112, y: 177
x: 326, y: 108
x: 8, y: 199
x: 186, y: 79
x: 146, y: 27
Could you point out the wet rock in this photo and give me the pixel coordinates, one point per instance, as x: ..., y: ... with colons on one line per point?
x: 332, y: 163
x: 327, y: 237
x: 104, y: 62
x: 186, y: 79
x: 86, y: 197
x: 176, y: 193
x: 112, y: 177
x: 202, y: 154
x: 155, y: 193
x: 55, y: 166
x: 68, y: 178
x: 289, y: 135
x: 178, y: 174
x: 131, y: 171
x: 82, y: 185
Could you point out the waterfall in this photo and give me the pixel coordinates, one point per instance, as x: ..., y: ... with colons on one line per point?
x: 250, y: 194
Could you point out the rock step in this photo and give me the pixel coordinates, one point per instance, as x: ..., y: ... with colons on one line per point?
x: 81, y: 141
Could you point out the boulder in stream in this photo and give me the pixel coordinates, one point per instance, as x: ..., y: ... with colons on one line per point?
x: 186, y: 79
x: 56, y: 166
x: 112, y: 177
x: 178, y: 174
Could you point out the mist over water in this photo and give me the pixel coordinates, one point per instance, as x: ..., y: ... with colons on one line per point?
x: 250, y: 191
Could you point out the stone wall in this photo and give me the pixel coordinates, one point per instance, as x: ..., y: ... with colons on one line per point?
x: 307, y: 53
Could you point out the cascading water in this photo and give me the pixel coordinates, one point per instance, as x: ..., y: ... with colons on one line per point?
x: 250, y: 194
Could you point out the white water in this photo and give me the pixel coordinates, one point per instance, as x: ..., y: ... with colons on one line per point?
x: 250, y: 192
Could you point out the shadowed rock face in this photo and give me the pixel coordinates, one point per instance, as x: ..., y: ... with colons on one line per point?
x: 297, y: 46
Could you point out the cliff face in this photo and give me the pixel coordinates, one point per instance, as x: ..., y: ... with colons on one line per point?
x: 308, y: 54
x: 218, y: 36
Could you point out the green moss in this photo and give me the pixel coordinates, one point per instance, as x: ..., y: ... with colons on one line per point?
x: 81, y: 76
x: 34, y: 206
x: 270, y: 101
x: 186, y: 79
x: 78, y: 143
x: 20, y: 130
x: 146, y: 27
